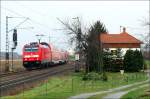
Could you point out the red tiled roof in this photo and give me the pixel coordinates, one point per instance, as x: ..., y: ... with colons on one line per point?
x: 123, y: 37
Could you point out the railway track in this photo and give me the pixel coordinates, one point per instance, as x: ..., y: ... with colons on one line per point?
x: 7, y: 83
x: 11, y: 73
x: 17, y: 75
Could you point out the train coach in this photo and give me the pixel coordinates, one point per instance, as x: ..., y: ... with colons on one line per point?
x: 41, y: 55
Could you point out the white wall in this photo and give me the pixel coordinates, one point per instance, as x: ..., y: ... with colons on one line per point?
x: 124, y: 50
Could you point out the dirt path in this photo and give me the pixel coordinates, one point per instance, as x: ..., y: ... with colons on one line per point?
x: 118, y: 95
x: 87, y: 95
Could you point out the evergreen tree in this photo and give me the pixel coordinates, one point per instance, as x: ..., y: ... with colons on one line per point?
x: 94, y: 49
x: 133, y: 61
x: 128, y: 60
x: 138, y: 60
x: 107, y: 60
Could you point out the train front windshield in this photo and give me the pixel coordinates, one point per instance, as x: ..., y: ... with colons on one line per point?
x: 31, y: 49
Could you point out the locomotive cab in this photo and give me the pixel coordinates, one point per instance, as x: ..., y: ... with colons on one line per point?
x: 31, y: 55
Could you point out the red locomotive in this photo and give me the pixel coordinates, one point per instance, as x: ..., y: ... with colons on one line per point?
x: 39, y: 55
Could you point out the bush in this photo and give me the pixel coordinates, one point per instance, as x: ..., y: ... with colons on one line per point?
x: 104, y: 77
x: 133, y: 61
x: 107, y: 60
x: 138, y: 60
x: 95, y: 76
x: 91, y: 76
x: 111, y: 63
x: 128, y: 60
x: 117, y: 64
x: 145, y: 66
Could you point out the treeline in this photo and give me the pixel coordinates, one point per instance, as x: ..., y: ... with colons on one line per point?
x: 15, y: 55
x: 146, y: 55
x: 132, y: 61
x: 90, y: 49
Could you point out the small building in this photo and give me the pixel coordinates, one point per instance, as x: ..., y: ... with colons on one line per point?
x: 123, y: 40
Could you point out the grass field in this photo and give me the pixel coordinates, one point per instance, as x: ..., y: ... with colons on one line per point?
x: 148, y: 63
x: 65, y: 86
x: 17, y: 65
x: 142, y: 93
x: 101, y: 96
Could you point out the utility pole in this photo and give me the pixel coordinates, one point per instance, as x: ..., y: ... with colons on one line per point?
x: 7, y: 66
x: 12, y: 67
x: 0, y: 50
x: 7, y: 47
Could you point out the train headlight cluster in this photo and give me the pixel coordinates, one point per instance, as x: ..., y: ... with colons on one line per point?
x: 31, y: 56
x: 35, y: 55
x: 27, y: 56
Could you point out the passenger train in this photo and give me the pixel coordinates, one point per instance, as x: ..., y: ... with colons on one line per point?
x: 41, y: 55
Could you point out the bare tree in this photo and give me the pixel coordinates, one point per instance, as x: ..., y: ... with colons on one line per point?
x: 77, y: 36
x: 146, y: 23
x: 88, y: 43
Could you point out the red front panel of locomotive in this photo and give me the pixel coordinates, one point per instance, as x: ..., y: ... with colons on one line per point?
x: 32, y: 53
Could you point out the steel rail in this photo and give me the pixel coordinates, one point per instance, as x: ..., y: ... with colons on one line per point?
x: 39, y: 76
x: 11, y: 73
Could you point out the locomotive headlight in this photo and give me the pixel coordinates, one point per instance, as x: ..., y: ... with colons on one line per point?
x: 27, y: 56
x: 35, y: 55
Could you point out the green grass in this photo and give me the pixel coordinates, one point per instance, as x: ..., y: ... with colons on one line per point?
x: 72, y: 57
x: 63, y: 87
x: 148, y: 63
x: 100, y: 96
x: 140, y: 93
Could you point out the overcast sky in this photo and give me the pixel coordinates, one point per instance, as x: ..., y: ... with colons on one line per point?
x: 42, y: 17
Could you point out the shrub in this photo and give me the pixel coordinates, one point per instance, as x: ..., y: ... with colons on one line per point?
x: 111, y: 63
x: 95, y: 76
x: 104, y: 76
x: 91, y: 76
x: 133, y: 61
x: 107, y: 59
x: 117, y: 64
x: 145, y: 66
x: 128, y: 60
x: 138, y: 60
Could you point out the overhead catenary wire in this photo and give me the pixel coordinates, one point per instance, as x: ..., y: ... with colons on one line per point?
x: 33, y: 21
x: 21, y: 22
x: 38, y: 23
x: 42, y: 15
x: 37, y: 12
